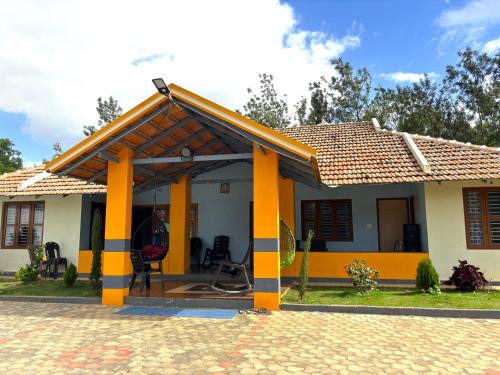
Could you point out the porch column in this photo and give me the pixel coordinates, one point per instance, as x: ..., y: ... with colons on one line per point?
x: 180, y: 224
x: 287, y: 202
x: 116, y: 261
x: 266, y: 229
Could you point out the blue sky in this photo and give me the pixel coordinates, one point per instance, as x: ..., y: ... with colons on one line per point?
x: 397, y: 36
x: 57, y: 60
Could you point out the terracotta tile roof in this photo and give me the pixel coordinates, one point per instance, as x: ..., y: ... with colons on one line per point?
x: 360, y: 153
x: 348, y: 154
x: 50, y: 185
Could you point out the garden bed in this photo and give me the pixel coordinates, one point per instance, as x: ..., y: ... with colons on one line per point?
x: 396, y: 297
x: 47, y: 288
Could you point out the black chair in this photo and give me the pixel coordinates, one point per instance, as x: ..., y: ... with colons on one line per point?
x: 52, y: 252
x: 233, y: 268
x: 195, y: 251
x: 220, y: 251
x: 141, y: 268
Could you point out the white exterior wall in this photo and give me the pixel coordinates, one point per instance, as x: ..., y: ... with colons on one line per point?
x: 61, y: 224
x: 446, y: 230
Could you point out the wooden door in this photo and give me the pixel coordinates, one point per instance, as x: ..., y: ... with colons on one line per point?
x: 392, y: 215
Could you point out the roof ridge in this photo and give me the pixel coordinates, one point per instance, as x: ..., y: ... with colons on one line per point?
x: 453, y: 142
x: 323, y: 123
x: 21, y: 170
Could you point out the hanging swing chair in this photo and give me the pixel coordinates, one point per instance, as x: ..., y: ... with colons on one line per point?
x: 156, y: 251
x: 287, y: 245
x: 287, y: 256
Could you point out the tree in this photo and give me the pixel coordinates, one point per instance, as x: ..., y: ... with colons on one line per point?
x: 57, y: 149
x: 267, y: 107
x: 425, y: 107
x: 108, y: 110
x: 304, y: 267
x: 475, y: 81
x: 382, y: 107
x: 301, y: 111
x: 344, y: 97
x: 318, y: 110
x: 97, y: 244
x: 349, y: 92
x: 10, y: 158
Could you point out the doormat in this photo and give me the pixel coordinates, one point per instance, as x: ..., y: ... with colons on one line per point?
x: 178, y: 313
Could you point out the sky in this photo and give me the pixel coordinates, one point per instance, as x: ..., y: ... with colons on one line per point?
x: 57, y: 57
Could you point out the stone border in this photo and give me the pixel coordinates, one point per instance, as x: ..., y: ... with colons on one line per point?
x: 404, y: 311
x: 52, y: 299
x: 247, y: 304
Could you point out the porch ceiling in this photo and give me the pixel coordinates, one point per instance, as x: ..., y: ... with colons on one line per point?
x: 162, y: 125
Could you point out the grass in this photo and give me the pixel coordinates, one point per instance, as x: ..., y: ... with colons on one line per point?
x: 399, y: 297
x: 46, y: 288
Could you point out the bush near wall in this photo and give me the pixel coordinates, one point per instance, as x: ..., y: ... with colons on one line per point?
x: 427, y: 279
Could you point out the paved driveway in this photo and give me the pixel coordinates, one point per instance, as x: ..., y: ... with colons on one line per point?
x: 77, y: 339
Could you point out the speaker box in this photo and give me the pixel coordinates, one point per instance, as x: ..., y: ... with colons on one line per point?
x: 412, y: 237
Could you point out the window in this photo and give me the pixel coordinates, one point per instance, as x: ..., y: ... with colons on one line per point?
x: 482, y: 217
x: 331, y: 220
x: 22, y: 224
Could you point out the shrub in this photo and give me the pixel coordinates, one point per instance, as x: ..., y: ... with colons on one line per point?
x: 39, y: 253
x: 467, y: 277
x: 70, y: 275
x: 304, y: 267
x: 97, y: 244
x: 427, y: 279
x: 363, y: 277
x: 27, y: 274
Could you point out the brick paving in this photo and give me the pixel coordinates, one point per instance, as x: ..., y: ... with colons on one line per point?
x: 40, y: 338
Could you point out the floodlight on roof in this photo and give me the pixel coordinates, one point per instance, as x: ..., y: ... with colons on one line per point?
x: 161, y: 86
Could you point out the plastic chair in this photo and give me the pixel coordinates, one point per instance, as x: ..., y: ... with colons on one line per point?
x: 52, y: 252
x: 220, y: 251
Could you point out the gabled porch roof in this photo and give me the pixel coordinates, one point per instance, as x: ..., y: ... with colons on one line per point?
x: 162, y: 125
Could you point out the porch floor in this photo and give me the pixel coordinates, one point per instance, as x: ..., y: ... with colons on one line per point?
x: 190, y: 289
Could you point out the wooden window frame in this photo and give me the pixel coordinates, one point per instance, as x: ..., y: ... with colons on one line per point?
x: 318, y: 219
x: 485, y: 218
x: 17, y: 225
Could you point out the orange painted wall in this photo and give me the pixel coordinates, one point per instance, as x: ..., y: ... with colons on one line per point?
x: 401, y: 266
x: 84, y: 261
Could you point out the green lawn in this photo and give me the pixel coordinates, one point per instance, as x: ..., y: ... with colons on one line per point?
x: 46, y: 288
x: 449, y: 298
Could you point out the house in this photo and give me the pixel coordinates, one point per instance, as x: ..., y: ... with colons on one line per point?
x: 387, y: 197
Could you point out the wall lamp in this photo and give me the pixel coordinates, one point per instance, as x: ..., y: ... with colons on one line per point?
x: 161, y: 86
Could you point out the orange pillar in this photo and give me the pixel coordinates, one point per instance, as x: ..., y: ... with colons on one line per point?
x: 116, y: 260
x: 180, y: 225
x: 266, y: 229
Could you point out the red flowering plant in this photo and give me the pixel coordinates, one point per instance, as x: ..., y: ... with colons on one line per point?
x: 467, y: 277
x: 362, y: 276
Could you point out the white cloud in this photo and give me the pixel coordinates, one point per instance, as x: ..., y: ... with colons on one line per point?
x: 467, y: 24
x: 402, y: 77
x: 60, y: 56
x: 492, y: 45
